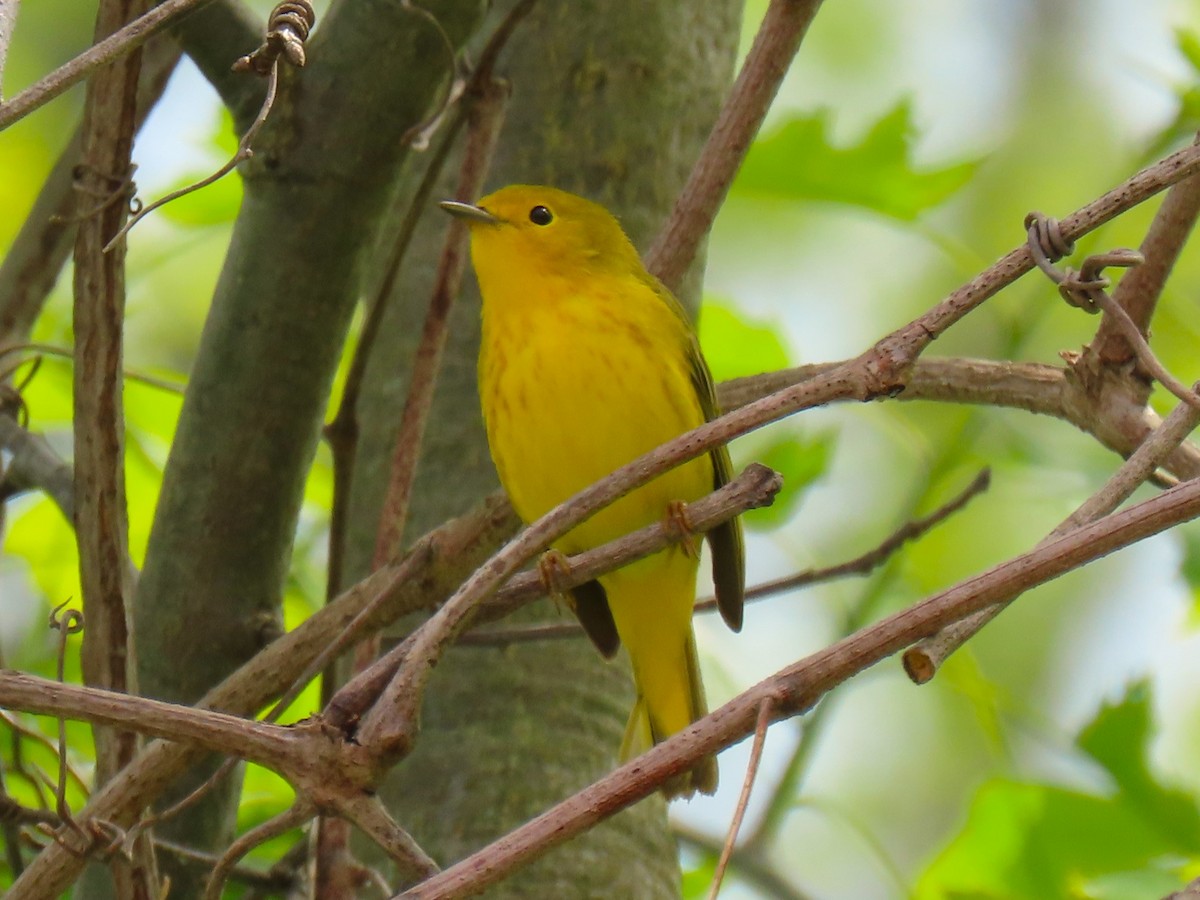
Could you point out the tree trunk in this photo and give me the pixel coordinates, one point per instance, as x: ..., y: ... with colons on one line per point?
x: 613, y: 101
x: 316, y: 192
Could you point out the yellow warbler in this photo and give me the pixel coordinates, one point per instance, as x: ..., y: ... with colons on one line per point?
x: 588, y: 362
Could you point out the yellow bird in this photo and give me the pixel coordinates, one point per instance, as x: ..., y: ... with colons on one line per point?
x: 587, y: 362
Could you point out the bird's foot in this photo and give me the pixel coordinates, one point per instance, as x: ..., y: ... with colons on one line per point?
x: 553, y: 571
x: 678, y: 526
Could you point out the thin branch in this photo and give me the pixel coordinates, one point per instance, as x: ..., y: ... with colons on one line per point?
x: 20, y: 730
x: 1139, y: 291
x: 369, y: 814
x: 277, y: 882
x: 243, y: 152
x: 756, y: 750
x: 485, y: 104
x: 779, y: 36
x: 867, y: 562
x: 293, y: 817
x: 756, y: 486
x: 128, y: 38
x: 923, y: 660
x: 434, y: 565
x: 69, y: 623
x: 12, y: 816
x: 859, y: 565
x: 798, y: 687
x: 287, y: 30
x: 485, y: 115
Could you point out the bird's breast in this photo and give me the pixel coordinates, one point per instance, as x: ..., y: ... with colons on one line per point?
x: 574, y: 389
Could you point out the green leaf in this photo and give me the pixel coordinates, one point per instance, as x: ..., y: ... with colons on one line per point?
x: 1028, y: 840
x: 801, y: 460
x: 1032, y: 840
x: 735, y: 346
x: 1118, y: 739
x: 797, y: 161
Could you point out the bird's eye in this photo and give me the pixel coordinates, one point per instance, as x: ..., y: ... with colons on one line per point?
x: 539, y: 215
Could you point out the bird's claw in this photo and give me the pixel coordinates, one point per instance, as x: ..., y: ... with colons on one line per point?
x: 678, y: 526
x: 553, y: 571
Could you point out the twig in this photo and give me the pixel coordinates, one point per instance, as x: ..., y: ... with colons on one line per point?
x: 68, y: 354
x: 923, y: 660
x: 1139, y: 291
x: 859, y: 565
x: 419, y: 134
x: 278, y: 883
x: 868, y: 561
x: 287, y: 29
x: 760, y: 739
x: 485, y: 116
x: 368, y: 813
x: 12, y: 816
x: 757, y: 485
x: 35, y: 464
x: 778, y: 38
x: 71, y: 622
x: 128, y: 38
x: 21, y: 730
x: 293, y: 817
x: 797, y: 688
x: 213, y: 731
x: 1087, y: 289
x: 1117, y: 423
x: 242, y: 153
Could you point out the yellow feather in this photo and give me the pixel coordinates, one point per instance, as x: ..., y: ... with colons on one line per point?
x: 586, y: 363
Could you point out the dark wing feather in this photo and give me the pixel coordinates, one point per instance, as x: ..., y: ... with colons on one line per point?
x: 728, y: 550
x: 591, y: 608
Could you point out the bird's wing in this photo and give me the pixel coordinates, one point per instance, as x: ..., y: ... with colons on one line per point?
x: 729, y: 565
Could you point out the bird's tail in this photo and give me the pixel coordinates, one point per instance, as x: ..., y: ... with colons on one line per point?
x: 670, y: 697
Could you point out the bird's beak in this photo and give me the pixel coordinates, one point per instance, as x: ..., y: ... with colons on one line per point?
x: 469, y: 212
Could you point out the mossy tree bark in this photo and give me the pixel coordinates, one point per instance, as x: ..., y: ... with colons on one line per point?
x: 611, y: 100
